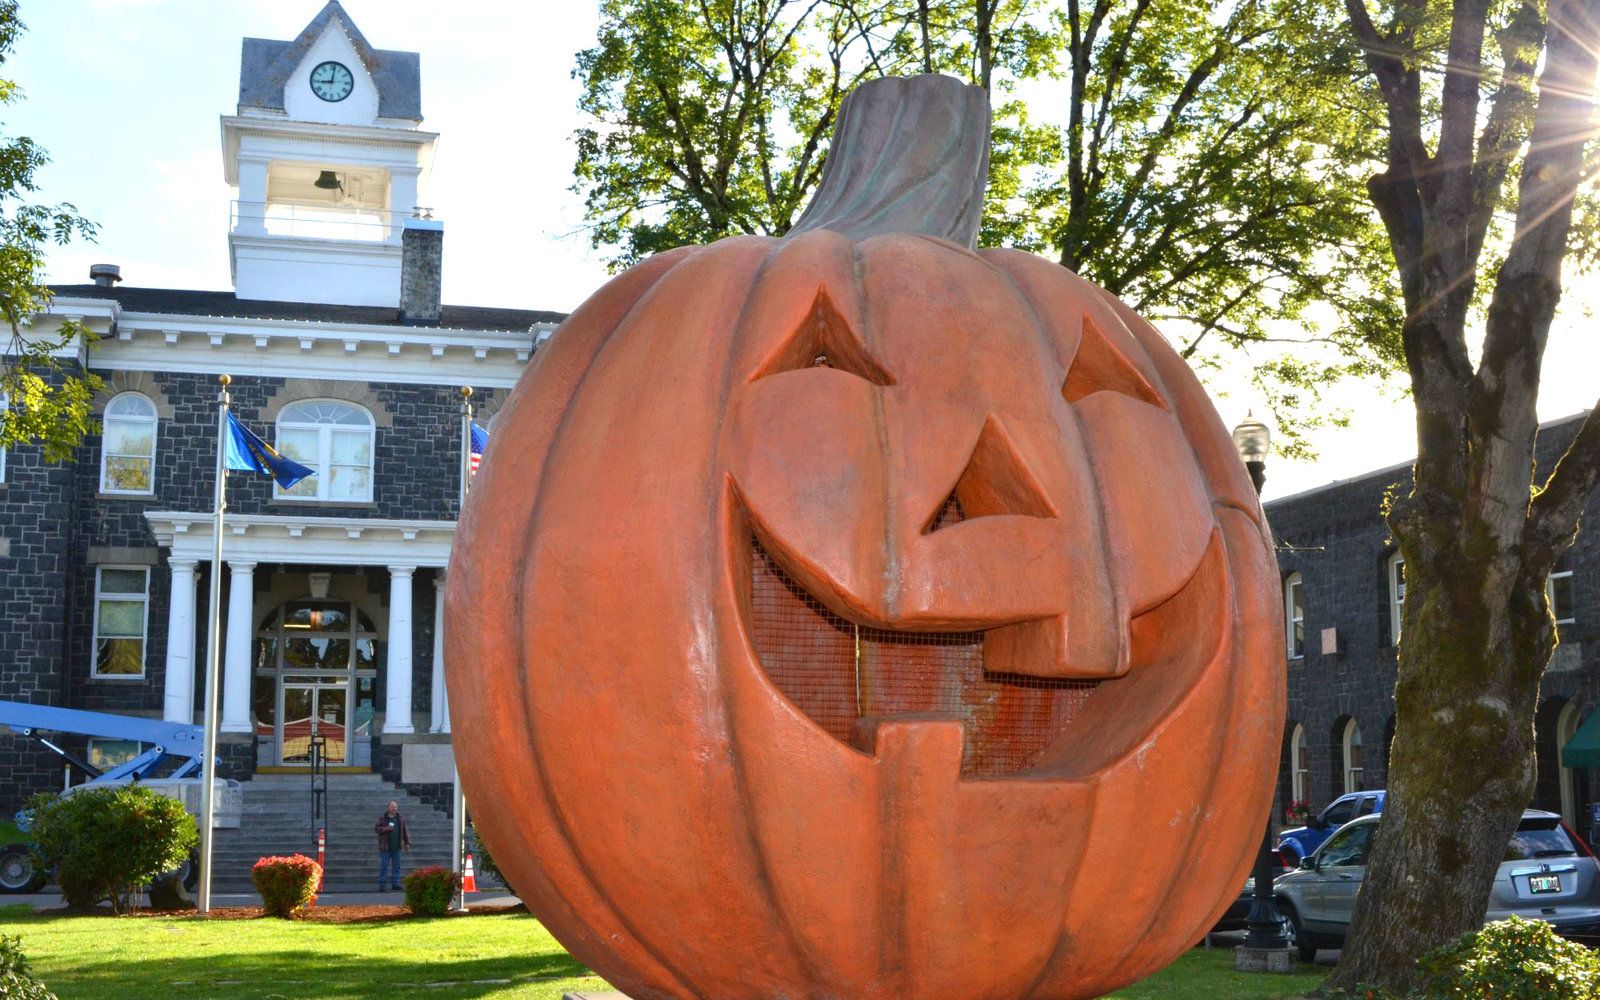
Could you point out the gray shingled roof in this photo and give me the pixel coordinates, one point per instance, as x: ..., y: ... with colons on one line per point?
x: 266, y: 64
x: 196, y: 302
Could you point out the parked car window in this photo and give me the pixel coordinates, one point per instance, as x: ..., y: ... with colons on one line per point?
x: 1540, y: 839
x: 1368, y: 804
x: 1348, y: 847
x: 1340, y: 812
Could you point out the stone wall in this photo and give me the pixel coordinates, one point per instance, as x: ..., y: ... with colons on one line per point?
x: 56, y: 526
x: 1336, y: 538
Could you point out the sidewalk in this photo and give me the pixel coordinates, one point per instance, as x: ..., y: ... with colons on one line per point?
x: 494, y: 897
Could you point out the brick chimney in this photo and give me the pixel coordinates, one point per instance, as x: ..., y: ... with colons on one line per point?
x: 421, y: 261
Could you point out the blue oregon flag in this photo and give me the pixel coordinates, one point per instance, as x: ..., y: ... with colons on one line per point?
x: 247, y: 453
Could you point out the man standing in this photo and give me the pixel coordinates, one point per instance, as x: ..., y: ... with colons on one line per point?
x: 392, y: 839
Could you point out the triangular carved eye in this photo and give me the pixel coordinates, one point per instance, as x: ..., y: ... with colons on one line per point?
x: 825, y: 340
x: 995, y: 481
x: 1100, y: 367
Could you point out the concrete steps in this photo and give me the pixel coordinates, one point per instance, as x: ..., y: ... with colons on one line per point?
x: 277, y: 821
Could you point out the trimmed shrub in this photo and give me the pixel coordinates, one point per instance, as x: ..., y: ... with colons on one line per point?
x: 286, y: 885
x: 16, y: 982
x: 107, y: 842
x: 1511, y: 959
x: 430, y: 890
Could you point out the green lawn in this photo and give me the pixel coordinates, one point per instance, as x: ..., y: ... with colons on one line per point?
x: 500, y: 956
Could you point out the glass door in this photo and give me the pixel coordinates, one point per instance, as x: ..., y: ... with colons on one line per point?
x: 331, y: 702
x: 295, y: 720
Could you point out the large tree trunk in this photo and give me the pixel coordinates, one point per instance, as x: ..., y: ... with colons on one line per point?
x: 1462, y: 767
x: 1477, y: 626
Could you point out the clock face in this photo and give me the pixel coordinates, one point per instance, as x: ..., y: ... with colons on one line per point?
x: 332, y: 81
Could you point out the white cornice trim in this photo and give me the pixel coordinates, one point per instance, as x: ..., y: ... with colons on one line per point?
x: 323, y: 130
x: 347, y: 541
x: 417, y: 355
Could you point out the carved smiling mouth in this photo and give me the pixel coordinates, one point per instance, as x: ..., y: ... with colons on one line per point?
x: 844, y: 676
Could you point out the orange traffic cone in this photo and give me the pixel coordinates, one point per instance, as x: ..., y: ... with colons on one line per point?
x: 469, y: 880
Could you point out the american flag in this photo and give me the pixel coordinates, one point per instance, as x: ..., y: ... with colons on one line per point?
x: 480, y: 441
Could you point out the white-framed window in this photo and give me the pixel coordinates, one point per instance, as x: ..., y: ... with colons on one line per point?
x: 1566, y: 729
x: 128, y: 446
x: 1299, y: 767
x: 1397, y: 596
x: 106, y: 752
x: 121, y: 620
x: 334, y: 438
x: 1294, y: 616
x: 1354, y: 760
x: 1559, y: 590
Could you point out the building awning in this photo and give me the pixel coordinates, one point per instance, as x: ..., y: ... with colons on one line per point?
x: 1583, y: 750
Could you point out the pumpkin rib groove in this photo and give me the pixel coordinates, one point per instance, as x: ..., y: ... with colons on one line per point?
x: 1100, y: 979
x: 994, y: 261
x: 473, y: 639
x: 741, y: 250
x: 530, y: 727
x: 893, y: 569
x: 1193, y: 845
x: 1238, y: 636
x: 729, y: 704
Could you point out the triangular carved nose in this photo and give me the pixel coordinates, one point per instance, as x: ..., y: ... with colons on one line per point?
x: 824, y: 339
x: 994, y: 481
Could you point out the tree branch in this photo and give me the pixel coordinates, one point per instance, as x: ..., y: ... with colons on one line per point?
x: 1554, y: 511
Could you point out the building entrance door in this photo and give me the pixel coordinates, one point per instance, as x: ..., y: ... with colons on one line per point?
x: 309, y: 709
x: 315, y: 672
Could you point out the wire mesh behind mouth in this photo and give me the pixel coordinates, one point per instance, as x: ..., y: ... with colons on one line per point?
x: 837, y: 672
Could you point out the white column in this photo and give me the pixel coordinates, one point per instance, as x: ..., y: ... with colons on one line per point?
x: 178, y: 703
x: 397, y: 676
x: 236, y: 656
x: 440, y: 720
x: 252, y: 207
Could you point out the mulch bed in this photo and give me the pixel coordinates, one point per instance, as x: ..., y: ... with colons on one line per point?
x: 334, y: 914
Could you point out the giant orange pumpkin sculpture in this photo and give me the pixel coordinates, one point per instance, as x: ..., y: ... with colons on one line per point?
x: 855, y: 615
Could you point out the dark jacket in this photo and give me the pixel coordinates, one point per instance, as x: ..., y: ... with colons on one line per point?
x: 381, y: 828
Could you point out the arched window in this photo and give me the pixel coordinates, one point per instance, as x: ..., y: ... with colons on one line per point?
x: 1299, y: 767
x: 128, y: 446
x: 1397, y: 596
x: 1294, y: 616
x: 1566, y: 728
x: 1354, y: 762
x: 335, y: 439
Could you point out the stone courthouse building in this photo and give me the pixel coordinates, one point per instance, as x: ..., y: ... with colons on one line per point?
x: 341, y: 354
x: 1343, y: 585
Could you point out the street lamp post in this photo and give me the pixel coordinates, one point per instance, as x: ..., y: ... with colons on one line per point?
x: 1264, y: 931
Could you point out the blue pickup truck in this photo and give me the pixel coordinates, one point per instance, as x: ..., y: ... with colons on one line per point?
x: 1298, y: 842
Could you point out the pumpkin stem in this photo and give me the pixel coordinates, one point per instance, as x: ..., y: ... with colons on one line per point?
x: 909, y: 155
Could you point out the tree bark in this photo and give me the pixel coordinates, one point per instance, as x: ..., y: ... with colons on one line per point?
x: 1477, y: 631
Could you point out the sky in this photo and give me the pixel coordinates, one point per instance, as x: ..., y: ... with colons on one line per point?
x: 126, y: 96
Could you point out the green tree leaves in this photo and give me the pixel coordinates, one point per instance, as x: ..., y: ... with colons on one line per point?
x: 45, y: 389
x: 1207, y: 164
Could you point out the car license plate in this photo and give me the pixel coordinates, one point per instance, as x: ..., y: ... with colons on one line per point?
x: 1544, y: 883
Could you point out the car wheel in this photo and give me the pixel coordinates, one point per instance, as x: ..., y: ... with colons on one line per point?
x: 188, y: 873
x: 1298, y: 939
x: 1291, y: 857
x: 19, y: 870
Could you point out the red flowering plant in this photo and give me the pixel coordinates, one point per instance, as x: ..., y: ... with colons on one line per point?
x: 287, y: 885
x: 1296, y: 813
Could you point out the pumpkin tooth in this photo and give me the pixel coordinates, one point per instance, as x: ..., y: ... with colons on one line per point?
x: 839, y: 673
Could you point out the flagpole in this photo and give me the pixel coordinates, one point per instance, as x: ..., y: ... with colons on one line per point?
x: 208, y: 760
x: 459, y: 802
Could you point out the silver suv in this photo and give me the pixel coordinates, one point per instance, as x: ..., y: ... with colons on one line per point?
x: 1547, y: 875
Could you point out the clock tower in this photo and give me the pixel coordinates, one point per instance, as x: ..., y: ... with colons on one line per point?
x: 329, y: 159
